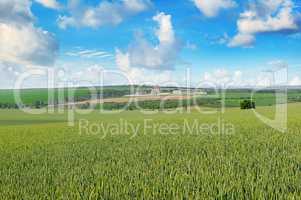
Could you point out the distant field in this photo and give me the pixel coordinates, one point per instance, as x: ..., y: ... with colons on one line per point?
x: 116, y: 94
x: 43, y: 158
x: 30, y: 96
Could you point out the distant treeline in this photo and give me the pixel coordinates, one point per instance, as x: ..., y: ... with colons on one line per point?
x: 161, y: 105
x: 37, y: 105
x: 8, y: 106
x: 294, y: 99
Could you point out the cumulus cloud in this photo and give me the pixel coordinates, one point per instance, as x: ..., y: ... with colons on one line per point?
x: 105, y: 13
x: 22, y: 44
x: 143, y: 54
x: 137, y: 75
x: 20, y: 41
x: 26, y: 45
x: 165, y: 31
x: 144, y: 60
x: 211, y: 8
x: 15, y: 12
x: 264, y: 16
x: 53, y: 4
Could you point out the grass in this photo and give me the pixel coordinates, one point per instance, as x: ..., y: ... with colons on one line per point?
x: 43, y: 158
x: 30, y: 96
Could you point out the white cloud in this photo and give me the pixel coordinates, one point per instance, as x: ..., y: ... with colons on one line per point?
x: 20, y: 41
x: 222, y: 78
x: 211, y: 8
x: 8, y: 75
x: 105, y: 13
x: 245, y: 40
x: 26, y: 45
x: 278, y: 65
x: 49, y: 3
x: 165, y: 31
x: 89, y: 75
x: 146, y: 62
x: 95, y: 74
x: 262, y: 17
x: 251, y: 22
x: 15, y: 11
x: 86, y: 53
x: 22, y: 44
x: 137, y: 75
x: 137, y: 5
x: 142, y: 54
x: 11, y: 72
x: 296, y: 81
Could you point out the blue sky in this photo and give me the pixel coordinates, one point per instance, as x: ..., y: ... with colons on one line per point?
x: 153, y: 39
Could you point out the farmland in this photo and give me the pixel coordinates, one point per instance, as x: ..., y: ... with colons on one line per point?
x: 150, y: 100
x: 113, y: 95
x: 44, y: 158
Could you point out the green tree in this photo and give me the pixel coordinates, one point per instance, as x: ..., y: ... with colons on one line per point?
x: 247, y: 104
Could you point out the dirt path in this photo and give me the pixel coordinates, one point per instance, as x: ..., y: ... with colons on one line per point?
x: 135, y: 98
